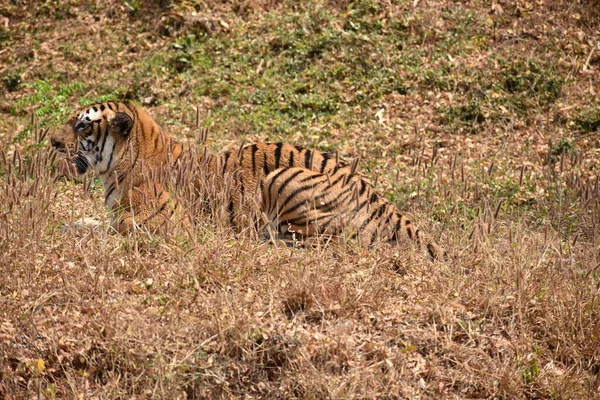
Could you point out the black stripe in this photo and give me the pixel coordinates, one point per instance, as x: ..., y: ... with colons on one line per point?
x: 109, y: 162
x: 321, y: 223
x: 304, y: 221
x: 373, y: 198
x: 326, y: 157
x: 358, y: 208
x: 388, y: 218
x: 417, y: 237
x: 297, y: 221
x: 111, y: 189
x: 110, y: 106
x: 371, y: 216
x: 430, y: 250
x: 102, y: 107
x: 287, y: 181
x: 368, y: 220
x: 295, y: 193
x: 373, y: 237
x: 104, y: 140
x: 278, y: 147
x: 226, y: 155
x: 294, y: 208
x: 254, y: 150
x: 397, y: 227
x: 363, y: 186
x: 336, y: 180
x: 242, y: 187
x: 299, y: 149
x: 382, y: 209
x: 230, y: 208
x: 322, y: 208
x: 307, y: 159
x: 325, y: 225
x: 326, y: 207
x: 291, y: 162
x: 274, y: 178
x: 266, y: 169
x: 310, y: 177
x: 324, y: 192
x: 157, y: 212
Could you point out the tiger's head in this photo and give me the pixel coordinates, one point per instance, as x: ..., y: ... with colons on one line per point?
x: 97, y: 137
x: 93, y: 134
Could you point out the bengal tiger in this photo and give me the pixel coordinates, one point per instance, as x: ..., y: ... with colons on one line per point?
x: 133, y: 157
x: 129, y: 151
x: 301, y: 202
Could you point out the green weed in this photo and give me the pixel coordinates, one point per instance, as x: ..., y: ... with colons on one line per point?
x: 587, y: 120
x: 52, y: 104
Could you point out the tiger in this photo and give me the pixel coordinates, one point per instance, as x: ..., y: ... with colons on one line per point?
x: 124, y: 146
x: 298, y: 201
x: 133, y: 157
x: 130, y: 153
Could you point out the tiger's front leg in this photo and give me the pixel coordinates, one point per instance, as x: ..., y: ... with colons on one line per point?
x: 145, y: 207
x: 82, y: 224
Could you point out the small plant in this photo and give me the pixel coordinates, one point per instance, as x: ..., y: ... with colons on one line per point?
x: 12, y: 80
x: 51, y: 103
x: 112, y: 96
x: 530, y: 371
x: 563, y: 146
x: 469, y: 116
x: 587, y: 120
x: 133, y: 6
x: 527, y: 84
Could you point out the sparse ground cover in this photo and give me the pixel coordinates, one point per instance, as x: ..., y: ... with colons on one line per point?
x: 481, y: 118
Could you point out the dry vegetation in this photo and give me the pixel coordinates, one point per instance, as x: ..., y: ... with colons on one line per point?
x: 481, y: 118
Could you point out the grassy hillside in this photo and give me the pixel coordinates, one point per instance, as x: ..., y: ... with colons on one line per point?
x: 479, y: 118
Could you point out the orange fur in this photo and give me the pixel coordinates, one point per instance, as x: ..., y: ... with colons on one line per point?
x: 128, y: 151
x: 133, y: 173
x: 307, y: 203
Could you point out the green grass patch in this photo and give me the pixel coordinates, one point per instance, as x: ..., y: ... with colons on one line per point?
x: 587, y: 120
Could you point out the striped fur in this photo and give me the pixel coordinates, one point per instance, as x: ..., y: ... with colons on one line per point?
x: 307, y: 203
x: 129, y: 152
x: 247, y: 166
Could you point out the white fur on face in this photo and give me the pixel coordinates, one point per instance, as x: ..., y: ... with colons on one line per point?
x: 89, y: 115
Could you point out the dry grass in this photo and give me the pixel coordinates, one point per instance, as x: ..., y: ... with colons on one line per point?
x: 202, y: 313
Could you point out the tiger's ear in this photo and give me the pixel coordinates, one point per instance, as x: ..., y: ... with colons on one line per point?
x: 120, y: 124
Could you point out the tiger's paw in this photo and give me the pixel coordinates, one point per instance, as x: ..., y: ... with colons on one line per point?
x: 82, y: 223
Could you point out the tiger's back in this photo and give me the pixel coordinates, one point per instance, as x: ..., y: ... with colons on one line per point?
x: 297, y: 200
x: 240, y: 173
